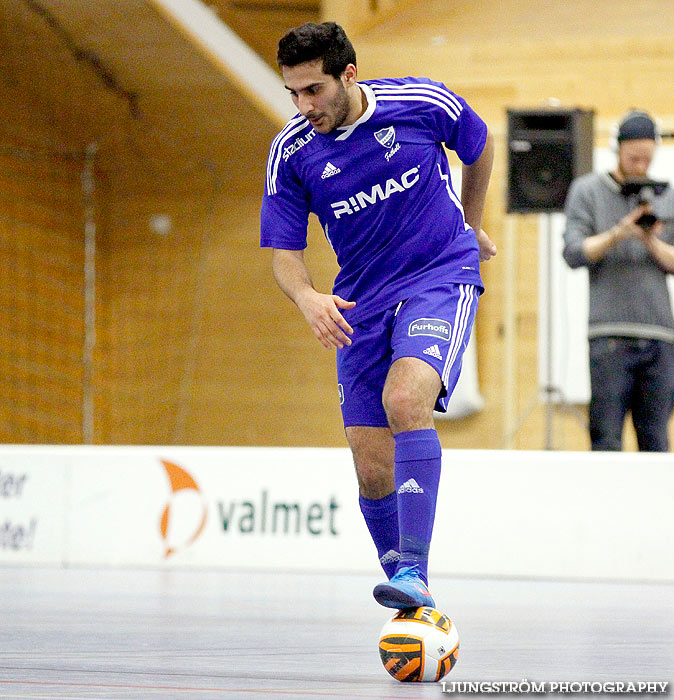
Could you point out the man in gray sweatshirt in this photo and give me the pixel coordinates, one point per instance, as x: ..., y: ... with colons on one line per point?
x: 631, y: 328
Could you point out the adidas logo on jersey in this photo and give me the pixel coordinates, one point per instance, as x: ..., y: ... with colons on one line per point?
x: 330, y: 170
x: 410, y: 486
x: 433, y: 351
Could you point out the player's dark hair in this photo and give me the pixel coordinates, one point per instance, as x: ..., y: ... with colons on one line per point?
x: 311, y: 41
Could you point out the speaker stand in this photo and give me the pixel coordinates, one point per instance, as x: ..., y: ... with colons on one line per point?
x: 550, y: 391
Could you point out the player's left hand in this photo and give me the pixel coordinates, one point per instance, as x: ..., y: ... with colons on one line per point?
x: 487, y: 246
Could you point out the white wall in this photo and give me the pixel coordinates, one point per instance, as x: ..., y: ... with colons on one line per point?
x: 534, y: 514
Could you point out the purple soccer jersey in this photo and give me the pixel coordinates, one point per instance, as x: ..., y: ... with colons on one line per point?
x: 382, y: 191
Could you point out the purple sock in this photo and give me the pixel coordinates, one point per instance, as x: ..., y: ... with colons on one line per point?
x: 418, y: 457
x: 381, y: 518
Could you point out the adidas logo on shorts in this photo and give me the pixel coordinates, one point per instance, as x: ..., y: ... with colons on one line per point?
x: 410, y: 486
x: 433, y: 351
x: 330, y: 170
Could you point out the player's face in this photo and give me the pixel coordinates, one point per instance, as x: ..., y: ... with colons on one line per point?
x: 635, y: 157
x: 319, y: 97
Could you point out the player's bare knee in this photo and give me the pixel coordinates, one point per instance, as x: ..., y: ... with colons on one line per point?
x: 404, y: 408
x: 372, y: 450
x: 375, y: 485
x: 375, y: 476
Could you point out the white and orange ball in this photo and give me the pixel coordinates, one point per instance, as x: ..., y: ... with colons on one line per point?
x: 419, y: 644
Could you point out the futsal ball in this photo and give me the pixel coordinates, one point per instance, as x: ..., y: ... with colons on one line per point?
x: 419, y: 644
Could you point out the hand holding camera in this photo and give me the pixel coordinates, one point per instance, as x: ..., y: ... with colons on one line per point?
x: 639, y: 223
x: 645, y: 190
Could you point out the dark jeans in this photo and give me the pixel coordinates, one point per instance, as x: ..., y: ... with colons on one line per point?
x: 631, y: 374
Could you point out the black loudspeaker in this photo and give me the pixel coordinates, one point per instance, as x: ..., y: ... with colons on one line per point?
x: 547, y: 149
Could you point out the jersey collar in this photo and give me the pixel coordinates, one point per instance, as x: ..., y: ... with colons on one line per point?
x: 371, y: 104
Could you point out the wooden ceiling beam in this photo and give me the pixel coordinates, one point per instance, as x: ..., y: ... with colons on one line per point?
x: 223, y: 47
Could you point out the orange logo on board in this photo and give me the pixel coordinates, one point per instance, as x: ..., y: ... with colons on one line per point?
x: 185, y: 514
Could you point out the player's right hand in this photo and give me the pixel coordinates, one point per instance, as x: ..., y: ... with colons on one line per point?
x: 324, y: 318
x: 487, y: 246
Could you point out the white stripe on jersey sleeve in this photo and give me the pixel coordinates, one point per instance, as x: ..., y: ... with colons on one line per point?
x: 442, y: 91
x: 292, y: 127
x: 423, y: 88
x: 274, y: 143
x: 417, y: 98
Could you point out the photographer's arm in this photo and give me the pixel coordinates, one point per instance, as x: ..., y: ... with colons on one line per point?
x: 595, y: 247
x: 663, y: 253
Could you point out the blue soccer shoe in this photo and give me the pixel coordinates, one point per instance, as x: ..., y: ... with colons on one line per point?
x: 405, y: 590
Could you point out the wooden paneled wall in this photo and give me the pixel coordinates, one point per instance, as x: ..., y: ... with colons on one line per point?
x: 358, y: 16
x: 41, y: 302
x: 195, y: 343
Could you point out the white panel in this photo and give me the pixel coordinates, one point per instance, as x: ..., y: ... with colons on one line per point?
x: 569, y: 313
x: 32, y: 504
x: 499, y: 513
x: 263, y: 508
x: 556, y: 514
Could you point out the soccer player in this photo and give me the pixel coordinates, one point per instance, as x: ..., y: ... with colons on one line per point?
x: 367, y: 158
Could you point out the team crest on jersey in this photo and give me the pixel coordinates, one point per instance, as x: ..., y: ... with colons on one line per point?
x: 386, y: 137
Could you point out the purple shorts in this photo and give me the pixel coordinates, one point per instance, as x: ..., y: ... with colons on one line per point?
x: 434, y: 326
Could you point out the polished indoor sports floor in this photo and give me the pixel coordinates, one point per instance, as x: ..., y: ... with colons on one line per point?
x: 82, y: 633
